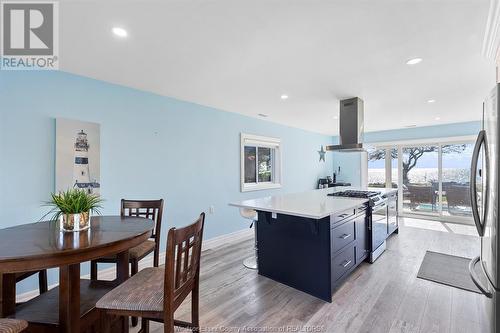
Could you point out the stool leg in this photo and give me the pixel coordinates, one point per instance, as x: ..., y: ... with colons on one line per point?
x: 251, y: 262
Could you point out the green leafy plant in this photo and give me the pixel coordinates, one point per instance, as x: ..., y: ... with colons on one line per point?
x: 73, y: 201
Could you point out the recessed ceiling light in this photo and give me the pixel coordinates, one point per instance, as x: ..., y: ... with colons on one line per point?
x: 411, y: 126
x: 414, y: 61
x: 120, y: 32
x: 284, y: 96
x: 430, y: 101
x: 437, y: 118
x: 336, y: 117
x: 263, y: 115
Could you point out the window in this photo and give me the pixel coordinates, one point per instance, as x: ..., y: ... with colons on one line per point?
x: 260, y: 162
x: 376, y: 167
x: 432, y: 176
x: 382, y: 167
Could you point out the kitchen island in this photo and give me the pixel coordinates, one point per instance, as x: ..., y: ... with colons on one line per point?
x: 311, y: 241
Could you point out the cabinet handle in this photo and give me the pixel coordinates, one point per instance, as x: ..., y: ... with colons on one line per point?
x: 346, y: 263
x: 345, y: 236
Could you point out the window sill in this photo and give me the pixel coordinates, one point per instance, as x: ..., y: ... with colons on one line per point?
x: 259, y: 187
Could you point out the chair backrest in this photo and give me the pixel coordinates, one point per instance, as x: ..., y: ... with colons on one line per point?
x: 458, y: 195
x: 150, y: 209
x: 182, y: 266
x: 421, y: 193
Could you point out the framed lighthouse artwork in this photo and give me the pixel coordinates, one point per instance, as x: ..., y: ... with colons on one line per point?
x: 77, y: 155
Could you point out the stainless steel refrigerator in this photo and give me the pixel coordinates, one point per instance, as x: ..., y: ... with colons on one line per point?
x: 484, y: 191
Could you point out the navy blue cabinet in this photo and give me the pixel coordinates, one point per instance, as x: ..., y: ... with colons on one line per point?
x: 313, y: 256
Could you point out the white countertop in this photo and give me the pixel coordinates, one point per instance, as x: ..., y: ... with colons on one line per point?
x: 315, y: 204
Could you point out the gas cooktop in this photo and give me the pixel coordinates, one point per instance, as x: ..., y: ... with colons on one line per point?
x: 355, y: 194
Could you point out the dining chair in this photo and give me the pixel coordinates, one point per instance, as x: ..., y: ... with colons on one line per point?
x: 150, y: 209
x: 421, y: 194
x: 156, y: 293
x: 12, y: 325
x: 458, y: 200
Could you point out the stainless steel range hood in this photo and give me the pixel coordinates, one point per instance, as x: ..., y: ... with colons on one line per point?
x: 351, y: 126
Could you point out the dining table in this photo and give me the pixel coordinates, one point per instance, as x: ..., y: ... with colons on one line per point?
x: 69, y: 307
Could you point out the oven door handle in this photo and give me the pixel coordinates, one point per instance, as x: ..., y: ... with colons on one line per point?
x: 379, y: 207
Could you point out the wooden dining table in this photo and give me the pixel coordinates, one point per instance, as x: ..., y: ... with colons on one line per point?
x: 70, y: 307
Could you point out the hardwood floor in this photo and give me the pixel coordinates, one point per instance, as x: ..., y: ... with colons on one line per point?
x: 382, y: 297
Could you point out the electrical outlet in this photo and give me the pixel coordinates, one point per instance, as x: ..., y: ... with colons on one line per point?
x: 211, y: 209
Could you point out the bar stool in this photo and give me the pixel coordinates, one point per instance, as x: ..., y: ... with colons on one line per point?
x: 252, y: 215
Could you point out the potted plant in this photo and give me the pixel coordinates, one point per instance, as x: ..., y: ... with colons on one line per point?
x: 73, y: 208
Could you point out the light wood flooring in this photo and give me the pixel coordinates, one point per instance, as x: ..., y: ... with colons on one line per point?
x: 382, y: 297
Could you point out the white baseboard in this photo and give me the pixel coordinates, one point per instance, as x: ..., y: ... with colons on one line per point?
x: 233, y: 237
x: 110, y: 273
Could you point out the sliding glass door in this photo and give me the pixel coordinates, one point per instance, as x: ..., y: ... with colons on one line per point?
x: 455, y: 179
x: 433, y: 179
x: 421, y: 179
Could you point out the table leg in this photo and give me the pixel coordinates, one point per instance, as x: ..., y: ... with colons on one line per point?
x: 122, y: 274
x: 8, y: 294
x: 69, y: 298
x: 122, y: 267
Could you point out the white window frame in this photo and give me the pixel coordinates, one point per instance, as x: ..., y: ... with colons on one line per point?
x: 263, y: 142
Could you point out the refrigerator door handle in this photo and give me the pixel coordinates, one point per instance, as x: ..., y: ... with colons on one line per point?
x: 475, y: 278
x: 481, y: 140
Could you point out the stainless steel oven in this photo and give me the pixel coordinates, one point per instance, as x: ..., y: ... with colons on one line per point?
x: 383, y: 219
x: 379, y: 228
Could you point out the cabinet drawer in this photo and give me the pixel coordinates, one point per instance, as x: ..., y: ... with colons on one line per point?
x: 342, y: 235
x: 343, y: 262
x: 346, y: 214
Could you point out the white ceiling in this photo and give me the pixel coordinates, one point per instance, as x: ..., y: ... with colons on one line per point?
x: 240, y: 56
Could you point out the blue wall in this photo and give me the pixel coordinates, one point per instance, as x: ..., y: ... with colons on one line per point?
x: 151, y: 147
x: 349, y: 166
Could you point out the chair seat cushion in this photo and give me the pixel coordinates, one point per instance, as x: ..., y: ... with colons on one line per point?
x: 139, y: 251
x: 142, y: 249
x: 142, y: 292
x: 12, y: 325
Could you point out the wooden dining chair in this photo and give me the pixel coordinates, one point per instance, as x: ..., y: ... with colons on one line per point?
x: 12, y: 325
x: 156, y: 293
x: 150, y: 209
